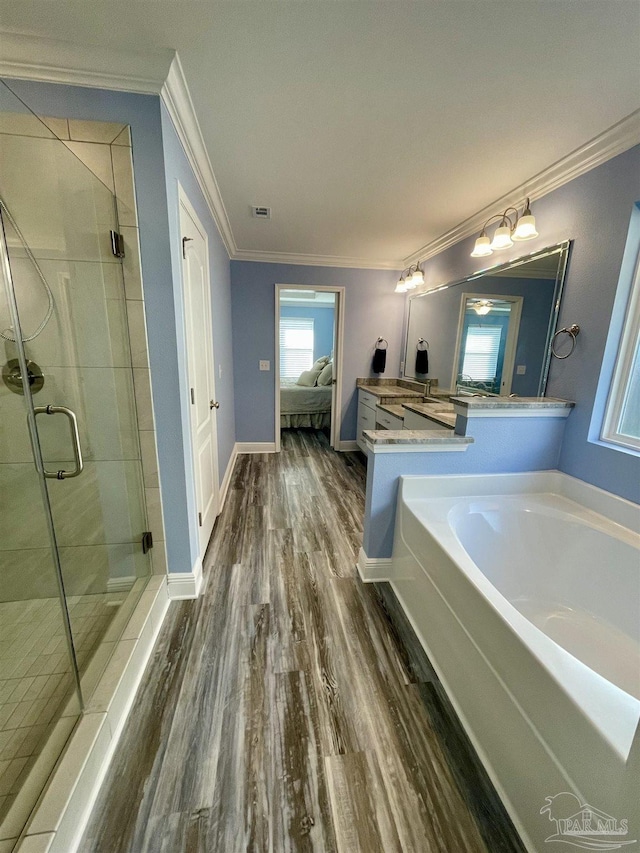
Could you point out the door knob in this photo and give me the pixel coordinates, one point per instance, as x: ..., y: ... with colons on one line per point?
x: 214, y: 405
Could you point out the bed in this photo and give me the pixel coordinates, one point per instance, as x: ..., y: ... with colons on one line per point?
x: 301, y: 406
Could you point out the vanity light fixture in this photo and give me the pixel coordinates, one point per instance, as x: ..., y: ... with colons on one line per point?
x: 410, y: 279
x: 513, y: 226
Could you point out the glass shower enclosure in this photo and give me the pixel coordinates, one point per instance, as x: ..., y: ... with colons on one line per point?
x: 73, y: 553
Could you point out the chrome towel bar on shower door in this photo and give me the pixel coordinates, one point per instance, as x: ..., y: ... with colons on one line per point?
x: 75, y: 440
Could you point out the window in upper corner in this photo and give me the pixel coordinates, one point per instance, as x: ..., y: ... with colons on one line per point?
x: 622, y: 415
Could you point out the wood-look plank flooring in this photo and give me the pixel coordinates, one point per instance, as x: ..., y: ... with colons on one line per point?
x: 289, y: 708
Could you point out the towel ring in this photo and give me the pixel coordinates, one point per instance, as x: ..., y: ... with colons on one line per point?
x: 573, y: 332
x: 425, y: 345
x: 381, y: 341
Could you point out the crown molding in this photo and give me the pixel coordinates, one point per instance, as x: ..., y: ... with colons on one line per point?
x: 618, y: 138
x: 77, y: 65
x: 177, y: 99
x: 160, y: 72
x: 315, y: 260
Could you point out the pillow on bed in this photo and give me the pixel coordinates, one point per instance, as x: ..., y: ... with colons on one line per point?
x: 321, y: 362
x: 308, y: 378
x: 326, y: 375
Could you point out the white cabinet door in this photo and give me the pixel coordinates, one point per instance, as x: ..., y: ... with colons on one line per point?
x: 366, y: 420
x: 386, y: 420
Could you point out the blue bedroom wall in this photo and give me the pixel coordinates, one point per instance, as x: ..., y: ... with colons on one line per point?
x: 322, y: 326
x: 594, y: 211
x: 371, y: 309
x: 149, y: 131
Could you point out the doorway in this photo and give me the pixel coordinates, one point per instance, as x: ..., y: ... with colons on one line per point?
x: 309, y: 328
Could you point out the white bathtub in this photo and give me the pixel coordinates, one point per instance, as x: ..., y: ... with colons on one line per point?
x: 525, y: 591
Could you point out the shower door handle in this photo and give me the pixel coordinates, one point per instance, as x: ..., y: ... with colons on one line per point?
x: 75, y: 441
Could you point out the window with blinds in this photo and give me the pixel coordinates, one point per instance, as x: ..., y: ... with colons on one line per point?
x: 481, y: 352
x: 296, y: 346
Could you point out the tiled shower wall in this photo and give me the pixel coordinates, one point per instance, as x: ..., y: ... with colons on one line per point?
x: 105, y: 148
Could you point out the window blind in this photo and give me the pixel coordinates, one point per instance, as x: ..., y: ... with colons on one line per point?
x: 296, y: 346
x: 481, y: 352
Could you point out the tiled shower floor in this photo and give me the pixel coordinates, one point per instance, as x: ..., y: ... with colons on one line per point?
x: 36, y: 683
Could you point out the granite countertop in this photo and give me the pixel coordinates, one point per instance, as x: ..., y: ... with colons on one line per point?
x: 415, y: 436
x: 441, y: 413
x: 478, y: 403
x: 390, y: 392
x: 411, y: 384
x: 396, y: 409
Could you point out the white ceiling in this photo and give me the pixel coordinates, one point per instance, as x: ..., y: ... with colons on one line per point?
x: 372, y: 128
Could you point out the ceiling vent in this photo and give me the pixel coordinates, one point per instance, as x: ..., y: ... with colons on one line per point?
x: 261, y: 212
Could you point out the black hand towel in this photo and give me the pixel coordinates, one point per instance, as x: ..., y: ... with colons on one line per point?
x: 379, y: 360
x: 422, y: 361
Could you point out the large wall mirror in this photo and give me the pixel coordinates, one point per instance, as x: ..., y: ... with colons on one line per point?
x: 489, y: 333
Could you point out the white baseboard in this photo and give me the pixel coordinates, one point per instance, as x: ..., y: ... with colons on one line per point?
x: 121, y: 584
x: 256, y: 447
x: 226, y: 480
x: 348, y: 446
x: 181, y: 585
x: 373, y: 569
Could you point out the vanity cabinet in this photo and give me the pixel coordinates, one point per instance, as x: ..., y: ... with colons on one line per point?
x: 412, y: 420
x: 385, y: 420
x: 367, y: 404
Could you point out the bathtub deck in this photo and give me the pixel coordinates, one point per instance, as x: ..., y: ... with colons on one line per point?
x: 289, y: 708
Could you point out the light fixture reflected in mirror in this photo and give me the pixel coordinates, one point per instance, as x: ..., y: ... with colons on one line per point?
x: 512, y: 227
x: 482, y: 307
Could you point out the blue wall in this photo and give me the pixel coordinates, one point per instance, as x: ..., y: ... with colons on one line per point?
x: 371, y: 309
x: 322, y: 325
x: 594, y: 211
x: 154, y: 180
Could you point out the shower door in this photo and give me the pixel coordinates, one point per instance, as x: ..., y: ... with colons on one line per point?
x: 73, y: 555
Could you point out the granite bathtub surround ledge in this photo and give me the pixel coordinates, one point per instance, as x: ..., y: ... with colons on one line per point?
x: 470, y: 406
x: 403, y: 440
